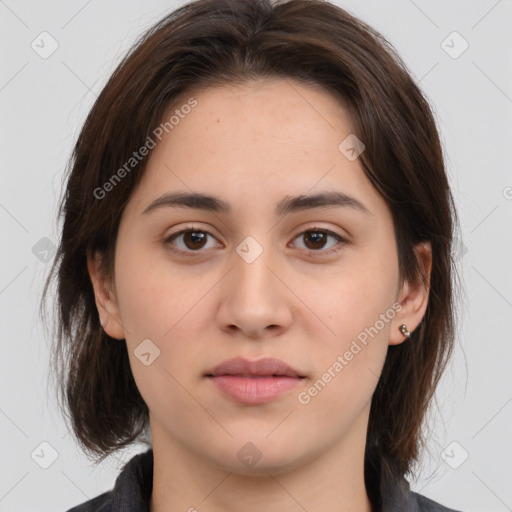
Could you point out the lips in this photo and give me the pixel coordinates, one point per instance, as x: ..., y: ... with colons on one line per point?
x: 266, y: 367
x: 254, y: 382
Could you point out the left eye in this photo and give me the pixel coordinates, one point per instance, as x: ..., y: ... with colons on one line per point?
x: 318, y: 237
x: 195, y: 239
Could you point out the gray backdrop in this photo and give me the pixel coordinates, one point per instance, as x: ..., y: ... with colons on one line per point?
x: 55, y: 57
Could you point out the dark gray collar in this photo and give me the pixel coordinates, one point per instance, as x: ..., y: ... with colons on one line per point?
x: 134, y: 485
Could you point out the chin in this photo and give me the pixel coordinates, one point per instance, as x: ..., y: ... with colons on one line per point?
x: 260, y: 457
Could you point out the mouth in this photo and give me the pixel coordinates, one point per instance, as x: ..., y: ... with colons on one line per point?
x: 266, y: 367
x: 253, y: 376
x: 254, y: 382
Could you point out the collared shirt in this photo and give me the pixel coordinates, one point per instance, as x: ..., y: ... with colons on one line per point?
x: 133, y: 487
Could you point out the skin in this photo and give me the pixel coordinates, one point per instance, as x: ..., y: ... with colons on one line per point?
x: 252, y: 145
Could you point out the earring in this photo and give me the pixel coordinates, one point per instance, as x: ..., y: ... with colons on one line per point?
x: 104, y: 322
x: 404, y: 330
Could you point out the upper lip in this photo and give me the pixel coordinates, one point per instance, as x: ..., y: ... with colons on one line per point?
x: 245, y: 368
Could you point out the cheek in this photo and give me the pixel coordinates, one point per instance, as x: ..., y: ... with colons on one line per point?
x: 162, y: 306
x: 356, y: 307
x: 354, y: 298
x: 154, y: 294
x: 359, y: 325
x: 348, y: 362
x: 163, y: 303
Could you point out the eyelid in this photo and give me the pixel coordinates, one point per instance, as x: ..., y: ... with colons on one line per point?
x: 341, y: 240
x: 168, y: 238
x: 317, y: 227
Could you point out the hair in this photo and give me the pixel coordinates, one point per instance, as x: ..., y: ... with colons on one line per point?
x: 209, y: 43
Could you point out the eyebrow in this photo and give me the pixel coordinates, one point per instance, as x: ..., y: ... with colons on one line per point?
x: 287, y: 205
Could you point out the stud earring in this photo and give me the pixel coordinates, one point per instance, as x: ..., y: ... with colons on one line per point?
x: 404, y: 330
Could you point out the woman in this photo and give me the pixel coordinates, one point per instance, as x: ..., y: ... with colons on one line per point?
x: 255, y: 268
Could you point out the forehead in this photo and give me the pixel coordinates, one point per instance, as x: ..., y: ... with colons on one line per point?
x: 276, y: 114
x: 255, y: 142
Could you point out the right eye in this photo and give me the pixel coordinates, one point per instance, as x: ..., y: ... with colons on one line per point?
x: 192, y: 241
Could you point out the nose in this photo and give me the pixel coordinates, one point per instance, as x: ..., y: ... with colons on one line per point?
x: 255, y: 300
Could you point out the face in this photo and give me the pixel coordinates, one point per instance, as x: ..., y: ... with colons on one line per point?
x: 315, y: 285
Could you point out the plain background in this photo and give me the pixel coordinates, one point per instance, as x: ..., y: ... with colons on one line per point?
x: 44, y: 102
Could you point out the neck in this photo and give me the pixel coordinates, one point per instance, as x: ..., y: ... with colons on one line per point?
x: 332, y: 481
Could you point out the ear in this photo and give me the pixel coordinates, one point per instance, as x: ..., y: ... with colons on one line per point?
x: 413, y: 297
x: 106, y: 301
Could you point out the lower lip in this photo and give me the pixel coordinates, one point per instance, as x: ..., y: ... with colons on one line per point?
x: 254, y: 390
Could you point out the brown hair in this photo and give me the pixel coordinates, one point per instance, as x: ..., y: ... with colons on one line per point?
x: 216, y: 42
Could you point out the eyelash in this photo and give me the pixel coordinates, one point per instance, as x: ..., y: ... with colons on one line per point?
x: 191, y: 253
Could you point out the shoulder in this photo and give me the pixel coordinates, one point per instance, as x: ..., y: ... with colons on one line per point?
x: 427, y: 505
x: 132, y: 489
x: 102, y: 503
